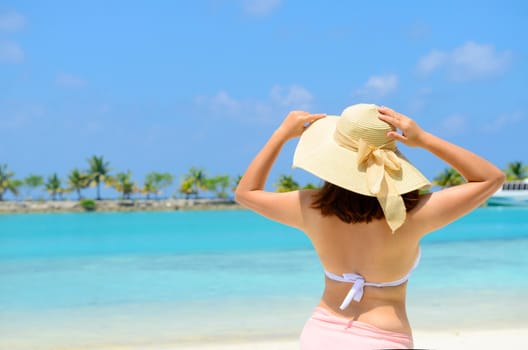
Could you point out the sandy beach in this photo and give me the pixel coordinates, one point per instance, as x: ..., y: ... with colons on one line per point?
x: 447, y: 339
x: 451, y: 339
x: 512, y: 338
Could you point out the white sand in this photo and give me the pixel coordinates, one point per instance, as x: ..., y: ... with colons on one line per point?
x: 472, y: 339
x: 449, y: 340
x: 437, y: 340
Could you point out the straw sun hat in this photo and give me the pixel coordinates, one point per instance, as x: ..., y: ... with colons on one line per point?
x: 354, y: 152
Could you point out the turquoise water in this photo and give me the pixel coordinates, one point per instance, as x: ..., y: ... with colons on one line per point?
x: 88, y: 279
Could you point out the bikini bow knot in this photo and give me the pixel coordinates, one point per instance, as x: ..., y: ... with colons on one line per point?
x: 356, y: 292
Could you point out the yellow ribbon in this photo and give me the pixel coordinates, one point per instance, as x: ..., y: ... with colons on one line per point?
x: 379, y: 162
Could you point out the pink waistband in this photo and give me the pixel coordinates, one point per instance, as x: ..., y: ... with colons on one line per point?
x: 324, y: 315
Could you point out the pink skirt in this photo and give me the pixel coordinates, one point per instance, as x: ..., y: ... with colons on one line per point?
x: 326, y: 331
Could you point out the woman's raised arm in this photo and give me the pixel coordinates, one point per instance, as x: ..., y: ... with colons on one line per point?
x: 442, y: 207
x: 281, y: 207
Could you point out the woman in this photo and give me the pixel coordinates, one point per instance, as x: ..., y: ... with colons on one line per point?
x: 368, y: 218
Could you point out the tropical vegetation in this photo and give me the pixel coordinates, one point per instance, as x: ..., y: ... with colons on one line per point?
x: 32, y: 182
x: 218, y: 185
x: 53, y: 186
x: 77, y: 181
x: 516, y: 171
x: 7, y: 183
x: 195, y: 183
x: 88, y: 204
x: 286, y: 183
x: 123, y: 183
x: 155, y: 183
x: 98, y: 173
x: 447, y: 178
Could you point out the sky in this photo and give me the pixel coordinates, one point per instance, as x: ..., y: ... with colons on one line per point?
x: 167, y: 85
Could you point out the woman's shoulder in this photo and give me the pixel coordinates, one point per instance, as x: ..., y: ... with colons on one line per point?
x: 307, y: 196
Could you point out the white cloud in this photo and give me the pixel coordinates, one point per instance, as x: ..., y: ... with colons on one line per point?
x: 11, y: 21
x: 294, y: 96
x: 10, y: 52
x: 454, y: 124
x: 431, y: 61
x: 467, y: 62
x: 20, y: 115
x: 221, y: 103
x: 474, y: 61
x: 259, y: 7
x: 378, y: 86
x: 69, y: 80
x: 504, y: 120
x: 280, y: 100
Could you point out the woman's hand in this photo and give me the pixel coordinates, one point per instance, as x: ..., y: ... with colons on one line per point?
x: 296, y: 122
x: 411, y: 134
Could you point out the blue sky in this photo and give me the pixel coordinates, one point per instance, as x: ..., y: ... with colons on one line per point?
x: 166, y: 85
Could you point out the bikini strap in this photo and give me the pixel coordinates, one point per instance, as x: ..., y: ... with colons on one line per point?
x: 356, y: 291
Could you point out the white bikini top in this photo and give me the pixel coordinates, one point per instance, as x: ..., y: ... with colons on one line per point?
x: 356, y: 292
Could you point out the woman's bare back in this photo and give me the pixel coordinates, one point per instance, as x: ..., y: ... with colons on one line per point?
x: 372, y: 251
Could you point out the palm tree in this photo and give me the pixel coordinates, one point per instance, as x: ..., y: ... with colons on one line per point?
x: 78, y: 181
x: 186, y: 188
x: 286, y: 183
x: 310, y: 186
x: 197, y: 181
x: 236, y: 182
x: 53, y: 186
x: 16, y: 183
x: 516, y: 171
x: 148, y: 188
x: 32, y: 182
x: 449, y: 177
x: 154, y: 182
x: 99, y: 172
x: 7, y: 183
x: 219, y: 184
x: 123, y: 183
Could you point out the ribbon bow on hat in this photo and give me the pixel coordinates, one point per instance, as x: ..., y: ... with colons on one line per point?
x: 379, y: 162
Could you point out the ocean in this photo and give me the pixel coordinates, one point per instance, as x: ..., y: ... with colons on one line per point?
x: 87, y: 280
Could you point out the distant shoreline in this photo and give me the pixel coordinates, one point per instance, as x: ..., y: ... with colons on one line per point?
x: 117, y: 205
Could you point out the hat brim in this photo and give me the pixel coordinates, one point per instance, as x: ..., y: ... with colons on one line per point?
x: 319, y: 154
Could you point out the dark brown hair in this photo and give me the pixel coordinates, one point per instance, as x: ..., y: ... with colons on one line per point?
x: 352, y: 207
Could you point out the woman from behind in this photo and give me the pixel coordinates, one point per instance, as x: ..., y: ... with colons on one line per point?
x: 367, y: 220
